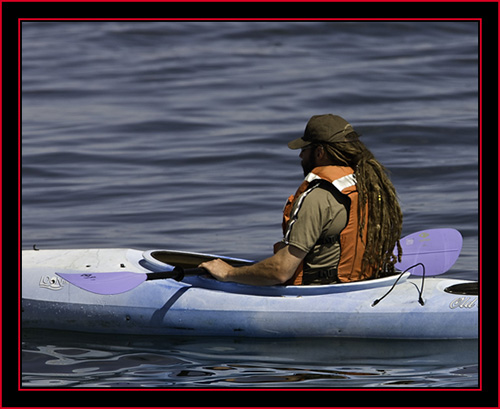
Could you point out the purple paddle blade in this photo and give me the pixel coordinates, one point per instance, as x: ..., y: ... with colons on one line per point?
x: 436, y: 249
x: 105, y: 283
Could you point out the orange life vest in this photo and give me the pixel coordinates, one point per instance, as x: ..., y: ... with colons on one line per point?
x: 352, y: 246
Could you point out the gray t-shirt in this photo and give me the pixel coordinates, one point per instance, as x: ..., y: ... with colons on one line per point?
x: 323, y: 212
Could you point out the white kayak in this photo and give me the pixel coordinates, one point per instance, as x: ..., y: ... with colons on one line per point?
x: 202, y: 306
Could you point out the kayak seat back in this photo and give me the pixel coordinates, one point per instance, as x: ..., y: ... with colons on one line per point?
x: 186, y: 259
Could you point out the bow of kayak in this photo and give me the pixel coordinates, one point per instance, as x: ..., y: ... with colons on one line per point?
x: 200, y: 305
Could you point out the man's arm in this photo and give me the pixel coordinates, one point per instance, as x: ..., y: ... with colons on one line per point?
x: 274, y: 270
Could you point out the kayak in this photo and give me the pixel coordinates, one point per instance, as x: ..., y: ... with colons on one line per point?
x: 401, y: 306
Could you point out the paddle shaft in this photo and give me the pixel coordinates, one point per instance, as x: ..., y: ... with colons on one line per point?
x: 178, y: 273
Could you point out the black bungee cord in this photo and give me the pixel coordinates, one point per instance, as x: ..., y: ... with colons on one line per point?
x: 420, y: 292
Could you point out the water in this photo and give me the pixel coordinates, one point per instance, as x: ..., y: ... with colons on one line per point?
x: 173, y: 135
x: 96, y: 361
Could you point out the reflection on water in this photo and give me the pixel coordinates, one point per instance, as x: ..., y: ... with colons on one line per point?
x: 53, y: 359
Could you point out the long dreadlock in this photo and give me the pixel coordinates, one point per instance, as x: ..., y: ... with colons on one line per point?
x: 384, y: 219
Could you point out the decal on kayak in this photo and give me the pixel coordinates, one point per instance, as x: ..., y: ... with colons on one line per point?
x: 464, y: 302
x: 52, y: 283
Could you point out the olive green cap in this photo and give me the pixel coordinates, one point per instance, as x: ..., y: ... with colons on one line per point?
x: 324, y: 128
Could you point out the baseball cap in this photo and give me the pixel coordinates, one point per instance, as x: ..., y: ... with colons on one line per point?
x: 324, y: 128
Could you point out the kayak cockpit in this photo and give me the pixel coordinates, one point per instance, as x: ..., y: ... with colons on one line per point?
x: 161, y: 260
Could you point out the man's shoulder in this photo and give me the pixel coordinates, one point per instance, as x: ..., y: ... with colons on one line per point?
x: 326, y: 193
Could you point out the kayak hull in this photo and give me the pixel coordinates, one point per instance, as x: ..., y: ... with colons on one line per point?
x: 202, y: 306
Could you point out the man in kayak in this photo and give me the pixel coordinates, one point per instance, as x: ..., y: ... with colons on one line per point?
x: 343, y: 223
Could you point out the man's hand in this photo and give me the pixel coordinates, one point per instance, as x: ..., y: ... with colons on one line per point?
x: 218, y: 268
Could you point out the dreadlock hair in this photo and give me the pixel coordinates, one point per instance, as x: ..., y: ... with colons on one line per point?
x: 385, y: 218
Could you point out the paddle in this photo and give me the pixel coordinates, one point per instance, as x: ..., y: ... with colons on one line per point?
x: 437, y: 249
x: 123, y: 281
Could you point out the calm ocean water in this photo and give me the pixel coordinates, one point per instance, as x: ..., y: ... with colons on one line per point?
x: 173, y: 135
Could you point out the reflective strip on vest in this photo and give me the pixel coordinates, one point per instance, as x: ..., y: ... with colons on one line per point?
x: 311, y: 176
x: 345, y: 182
x: 293, y: 217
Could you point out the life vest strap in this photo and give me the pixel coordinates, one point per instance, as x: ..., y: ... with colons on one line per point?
x: 321, y: 277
